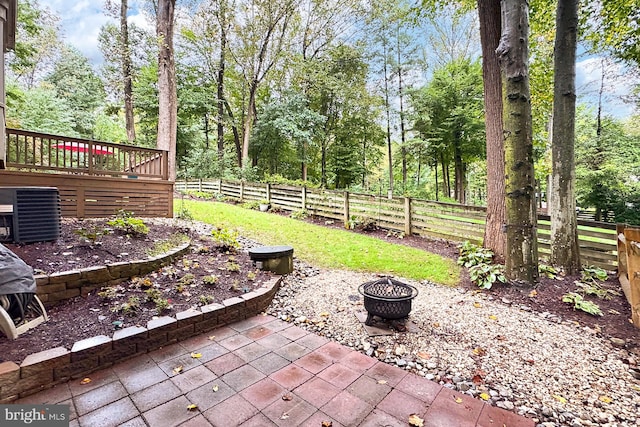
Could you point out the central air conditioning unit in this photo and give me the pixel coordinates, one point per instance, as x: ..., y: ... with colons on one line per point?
x: 29, y: 214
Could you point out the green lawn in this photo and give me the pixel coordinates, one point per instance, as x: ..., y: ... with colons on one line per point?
x: 327, y: 247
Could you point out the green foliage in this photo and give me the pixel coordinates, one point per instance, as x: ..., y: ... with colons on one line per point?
x: 129, y: 307
x: 210, y: 280
x: 547, y: 271
x: 40, y: 110
x: 592, y: 274
x: 91, y: 233
x: 485, y: 275
x: 362, y: 223
x: 579, y: 303
x: 205, y: 299
x: 155, y: 296
x: 233, y: 267
x: 111, y: 292
x: 125, y: 223
x: 187, y: 280
x: 299, y: 214
x: 170, y: 243
x: 251, y: 204
x: 472, y: 254
x: 225, y: 239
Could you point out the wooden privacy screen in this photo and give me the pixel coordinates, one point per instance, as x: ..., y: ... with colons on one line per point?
x: 629, y: 267
x: 83, y: 196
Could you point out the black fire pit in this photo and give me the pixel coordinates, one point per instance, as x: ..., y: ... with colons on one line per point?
x: 387, y: 298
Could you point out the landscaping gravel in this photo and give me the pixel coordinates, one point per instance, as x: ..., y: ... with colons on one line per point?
x: 535, y: 364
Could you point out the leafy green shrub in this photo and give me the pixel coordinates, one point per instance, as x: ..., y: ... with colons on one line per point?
x: 363, y: 223
x: 187, y: 280
x: 225, y: 240
x: 579, y: 303
x: 485, y: 275
x: 153, y: 294
x: 111, y: 292
x: 301, y: 214
x: 593, y: 274
x: 471, y: 254
x: 210, y: 280
x: 205, y: 299
x: 548, y: 271
x: 251, y: 204
x: 125, y: 223
x: 91, y: 234
x: 233, y: 267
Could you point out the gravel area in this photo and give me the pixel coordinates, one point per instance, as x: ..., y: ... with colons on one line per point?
x: 535, y: 364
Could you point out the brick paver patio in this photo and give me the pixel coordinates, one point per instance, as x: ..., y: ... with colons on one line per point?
x: 265, y: 372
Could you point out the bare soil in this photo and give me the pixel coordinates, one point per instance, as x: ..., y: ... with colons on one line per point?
x: 84, y: 317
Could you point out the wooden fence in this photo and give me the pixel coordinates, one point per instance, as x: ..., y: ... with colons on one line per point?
x: 411, y: 216
x: 629, y: 267
x: 83, y: 196
x: 35, y: 151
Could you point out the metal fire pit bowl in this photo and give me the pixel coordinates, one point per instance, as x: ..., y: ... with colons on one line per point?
x: 387, y: 298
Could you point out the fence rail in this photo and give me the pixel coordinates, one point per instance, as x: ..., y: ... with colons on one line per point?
x: 597, y: 240
x: 33, y: 151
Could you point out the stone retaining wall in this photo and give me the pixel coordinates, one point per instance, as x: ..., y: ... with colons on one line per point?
x: 57, y: 287
x: 47, y: 368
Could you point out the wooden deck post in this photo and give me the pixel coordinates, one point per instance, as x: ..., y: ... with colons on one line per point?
x: 407, y: 216
x: 632, y: 238
x: 304, y: 198
x: 346, y: 209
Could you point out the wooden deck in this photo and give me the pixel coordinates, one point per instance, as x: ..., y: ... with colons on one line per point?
x: 94, y: 178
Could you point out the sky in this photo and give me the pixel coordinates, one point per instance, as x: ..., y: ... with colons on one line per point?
x: 81, y: 21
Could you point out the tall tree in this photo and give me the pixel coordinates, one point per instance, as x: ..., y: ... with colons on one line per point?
x: 521, y: 224
x: 167, y: 92
x: 565, y: 251
x: 494, y: 235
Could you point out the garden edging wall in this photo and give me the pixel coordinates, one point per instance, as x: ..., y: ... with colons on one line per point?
x: 57, y: 365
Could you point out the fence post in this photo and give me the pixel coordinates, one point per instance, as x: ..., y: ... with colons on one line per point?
x: 346, y: 209
x: 304, y: 198
x: 407, y: 216
x: 200, y: 185
x: 241, y: 190
x: 268, y: 189
x: 632, y: 238
x: 220, y: 186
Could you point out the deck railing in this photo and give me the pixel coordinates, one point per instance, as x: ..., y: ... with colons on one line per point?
x: 35, y: 151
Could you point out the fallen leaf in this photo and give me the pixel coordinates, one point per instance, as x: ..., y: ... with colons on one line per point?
x: 484, y: 396
x: 477, y: 379
x: 382, y: 381
x: 436, y: 325
x: 192, y: 407
x: 284, y: 416
x: 530, y: 361
x: 493, y: 317
x: 215, y: 387
x: 212, y: 337
x: 287, y: 397
x: 559, y: 398
x: 196, y: 355
x: 424, y: 355
x: 324, y: 314
x: 458, y: 400
x: 327, y: 424
x: 85, y: 381
x: 605, y: 399
x: 477, y: 304
x: 415, y: 420
x: 479, y: 351
x: 533, y: 294
x: 635, y: 387
x: 177, y: 369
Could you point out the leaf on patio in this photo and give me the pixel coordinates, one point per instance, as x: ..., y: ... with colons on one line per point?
x: 457, y: 399
x: 85, y: 381
x: 324, y: 314
x: 215, y: 388
x: 416, y: 421
x: 177, y: 369
x: 212, y: 337
x: 196, y: 355
x: 192, y: 407
x: 493, y: 317
x: 484, y: 396
x: 382, y: 381
x: 327, y: 424
x: 284, y: 416
x: 287, y: 397
x: 476, y: 304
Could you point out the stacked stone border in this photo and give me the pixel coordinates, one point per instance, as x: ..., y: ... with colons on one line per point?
x: 47, y: 368
x: 57, y: 287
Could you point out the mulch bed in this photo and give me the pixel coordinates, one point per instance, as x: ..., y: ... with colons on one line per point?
x: 84, y: 317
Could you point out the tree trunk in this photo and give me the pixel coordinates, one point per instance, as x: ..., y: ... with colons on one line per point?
x: 402, y: 128
x: 565, y: 251
x: 387, y: 107
x: 220, y: 89
x: 126, y: 74
x: 435, y: 167
x: 459, y: 172
x: 494, y: 235
x: 513, y: 53
x: 167, y: 96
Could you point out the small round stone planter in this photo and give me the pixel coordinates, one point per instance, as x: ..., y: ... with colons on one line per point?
x: 277, y: 259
